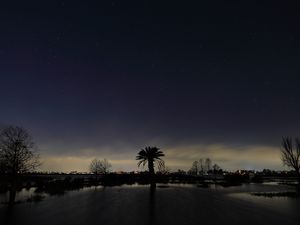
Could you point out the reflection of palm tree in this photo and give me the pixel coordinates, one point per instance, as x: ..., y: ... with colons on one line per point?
x: 152, y: 217
x: 150, y: 155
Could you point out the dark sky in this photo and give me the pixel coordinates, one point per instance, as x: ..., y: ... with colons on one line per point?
x: 105, y: 79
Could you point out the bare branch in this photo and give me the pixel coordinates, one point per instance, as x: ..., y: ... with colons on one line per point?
x: 17, y: 153
x: 290, y: 153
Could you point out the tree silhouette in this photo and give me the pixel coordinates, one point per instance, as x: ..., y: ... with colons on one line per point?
x: 216, y: 168
x: 163, y: 169
x: 100, y: 166
x: 201, y: 166
x: 290, y: 154
x: 150, y: 155
x: 17, y: 155
x: 195, y: 168
x: 207, y: 164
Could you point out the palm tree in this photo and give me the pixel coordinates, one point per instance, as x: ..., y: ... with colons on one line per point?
x: 150, y: 155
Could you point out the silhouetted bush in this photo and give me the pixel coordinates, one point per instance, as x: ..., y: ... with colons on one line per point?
x: 58, y: 187
x: 35, y: 198
x: 203, y: 185
x: 257, y: 179
x: 234, y: 180
x: 277, y: 194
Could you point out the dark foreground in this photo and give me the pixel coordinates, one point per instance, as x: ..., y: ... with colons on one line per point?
x: 166, y: 204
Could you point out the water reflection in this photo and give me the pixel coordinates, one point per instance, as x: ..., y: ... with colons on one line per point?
x: 283, y: 204
x: 152, y: 204
x: 155, y: 204
x: 8, y: 214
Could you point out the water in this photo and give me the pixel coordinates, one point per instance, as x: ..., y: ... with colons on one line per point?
x: 171, y: 204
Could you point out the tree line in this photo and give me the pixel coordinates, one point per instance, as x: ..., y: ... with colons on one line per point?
x: 204, y: 166
x: 18, y: 155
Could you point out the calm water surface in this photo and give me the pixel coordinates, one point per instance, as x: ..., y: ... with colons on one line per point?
x: 172, y: 204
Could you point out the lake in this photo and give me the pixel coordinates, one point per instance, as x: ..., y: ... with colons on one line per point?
x: 167, y: 205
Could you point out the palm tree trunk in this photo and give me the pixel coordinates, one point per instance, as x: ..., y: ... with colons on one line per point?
x: 151, y: 167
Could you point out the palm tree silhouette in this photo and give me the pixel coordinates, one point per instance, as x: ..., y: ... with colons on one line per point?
x: 150, y: 155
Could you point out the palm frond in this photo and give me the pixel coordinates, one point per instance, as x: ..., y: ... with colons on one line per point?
x: 150, y: 154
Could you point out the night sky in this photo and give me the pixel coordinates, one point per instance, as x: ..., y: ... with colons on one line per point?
x: 216, y: 79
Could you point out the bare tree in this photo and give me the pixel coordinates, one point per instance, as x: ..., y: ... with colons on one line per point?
x: 17, y: 154
x: 201, y: 166
x: 208, y: 164
x: 216, y: 168
x: 195, y: 168
x: 163, y: 169
x: 290, y: 154
x: 98, y: 166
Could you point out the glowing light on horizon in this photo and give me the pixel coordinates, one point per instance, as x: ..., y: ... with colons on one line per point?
x: 181, y: 157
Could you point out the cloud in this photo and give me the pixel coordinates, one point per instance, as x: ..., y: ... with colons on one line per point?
x: 228, y: 157
x: 177, y: 157
x: 81, y: 164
